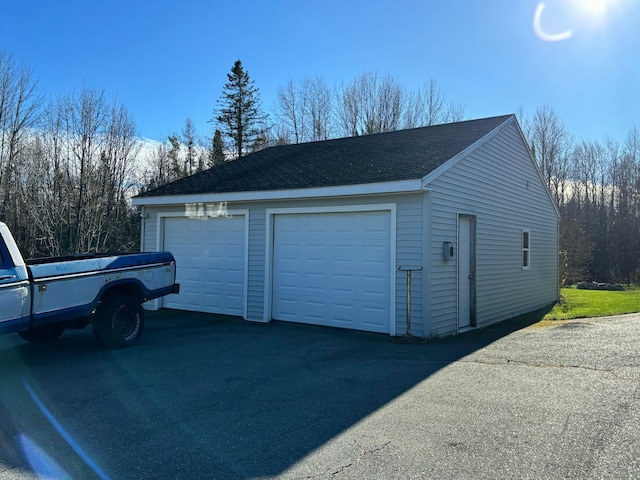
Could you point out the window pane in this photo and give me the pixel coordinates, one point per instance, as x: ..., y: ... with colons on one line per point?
x: 525, y: 258
x: 525, y: 239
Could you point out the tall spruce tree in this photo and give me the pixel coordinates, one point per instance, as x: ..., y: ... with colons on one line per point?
x: 239, y: 112
x: 216, y: 152
x: 189, y: 141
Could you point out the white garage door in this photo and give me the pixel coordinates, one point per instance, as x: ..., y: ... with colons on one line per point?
x: 210, y: 263
x: 333, y: 269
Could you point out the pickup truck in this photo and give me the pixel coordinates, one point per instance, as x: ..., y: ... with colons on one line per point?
x: 41, y: 298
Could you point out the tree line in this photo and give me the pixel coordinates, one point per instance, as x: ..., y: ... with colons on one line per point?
x: 304, y: 110
x: 70, y: 164
x: 596, y: 186
x: 67, y: 167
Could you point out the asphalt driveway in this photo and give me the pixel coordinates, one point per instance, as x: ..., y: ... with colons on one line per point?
x: 204, y: 396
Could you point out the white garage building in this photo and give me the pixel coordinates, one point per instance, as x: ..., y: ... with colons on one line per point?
x: 322, y: 232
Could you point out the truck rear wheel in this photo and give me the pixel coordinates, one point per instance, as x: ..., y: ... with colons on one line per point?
x: 119, y: 322
x: 44, y: 333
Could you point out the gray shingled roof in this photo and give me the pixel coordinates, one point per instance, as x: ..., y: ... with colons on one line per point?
x: 383, y: 157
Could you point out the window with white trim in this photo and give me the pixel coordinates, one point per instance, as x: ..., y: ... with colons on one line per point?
x: 526, y: 250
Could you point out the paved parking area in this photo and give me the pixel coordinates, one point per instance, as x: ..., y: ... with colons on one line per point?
x: 204, y: 396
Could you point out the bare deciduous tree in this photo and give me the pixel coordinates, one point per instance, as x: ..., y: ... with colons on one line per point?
x: 370, y: 104
x: 290, y: 109
x: 19, y: 114
x: 303, y: 110
x: 550, y: 143
x: 78, y: 176
x: 429, y: 106
x: 318, y: 109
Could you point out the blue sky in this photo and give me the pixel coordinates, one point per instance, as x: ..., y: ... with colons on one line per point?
x: 167, y: 60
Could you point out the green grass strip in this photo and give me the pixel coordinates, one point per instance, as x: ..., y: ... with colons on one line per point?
x: 576, y: 303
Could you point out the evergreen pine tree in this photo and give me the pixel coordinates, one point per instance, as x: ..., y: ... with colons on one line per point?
x: 216, y: 152
x: 239, y: 110
x: 189, y: 141
x: 174, y: 158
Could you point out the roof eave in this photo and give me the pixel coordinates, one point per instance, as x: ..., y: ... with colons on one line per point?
x: 382, y: 188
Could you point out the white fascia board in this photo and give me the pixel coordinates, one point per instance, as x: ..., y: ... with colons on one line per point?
x: 404, y: 186
x: 459, y: 156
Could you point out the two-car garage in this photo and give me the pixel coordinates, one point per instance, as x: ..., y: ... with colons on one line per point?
x: 323, y: 267
x: 326, y: 232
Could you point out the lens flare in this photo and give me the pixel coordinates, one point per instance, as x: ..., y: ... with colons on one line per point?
x: 41, y: 463
x: 64, y: 434
x: 539, y: 31
x: 582, y: 14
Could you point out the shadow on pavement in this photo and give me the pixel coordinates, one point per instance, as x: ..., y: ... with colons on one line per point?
x: 207, y: 396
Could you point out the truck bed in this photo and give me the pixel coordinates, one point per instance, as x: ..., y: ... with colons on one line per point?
x: 71, y: 286
x: 47, y: 267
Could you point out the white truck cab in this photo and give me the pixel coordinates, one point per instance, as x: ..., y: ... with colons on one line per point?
x: 14, y: 280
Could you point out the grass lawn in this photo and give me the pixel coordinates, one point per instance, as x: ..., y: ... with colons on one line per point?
x: 576, y: 303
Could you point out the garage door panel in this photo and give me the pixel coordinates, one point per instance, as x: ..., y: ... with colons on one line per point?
x: 287, y: 309
x: 373, y: 254
x: 343, y: 283
x: 210, y: 263
x: 326, y: 267
x: 374, y: 285
x: 234, y: 277
x: 288, y: 280
x: 192, y: 299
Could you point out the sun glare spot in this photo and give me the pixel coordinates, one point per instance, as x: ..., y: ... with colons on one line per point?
x: 559, y: 23
x: 594, y: 7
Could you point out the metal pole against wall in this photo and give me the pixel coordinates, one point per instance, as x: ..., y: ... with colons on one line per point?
x: 408, y: 335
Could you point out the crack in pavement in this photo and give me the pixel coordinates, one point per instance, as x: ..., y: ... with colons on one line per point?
x: 507, y: 361
x: 363, y: 453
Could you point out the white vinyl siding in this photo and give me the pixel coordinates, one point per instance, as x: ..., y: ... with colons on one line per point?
x: 498, y: 184
x: 149, y: 230
x: 256, y: 272
x: 409, y: 254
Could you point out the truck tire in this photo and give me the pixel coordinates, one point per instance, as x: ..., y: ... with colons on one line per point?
x: 44, y: 333
x: 119, y: 322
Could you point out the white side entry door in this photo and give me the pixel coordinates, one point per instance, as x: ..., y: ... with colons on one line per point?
x: 466, y: 272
